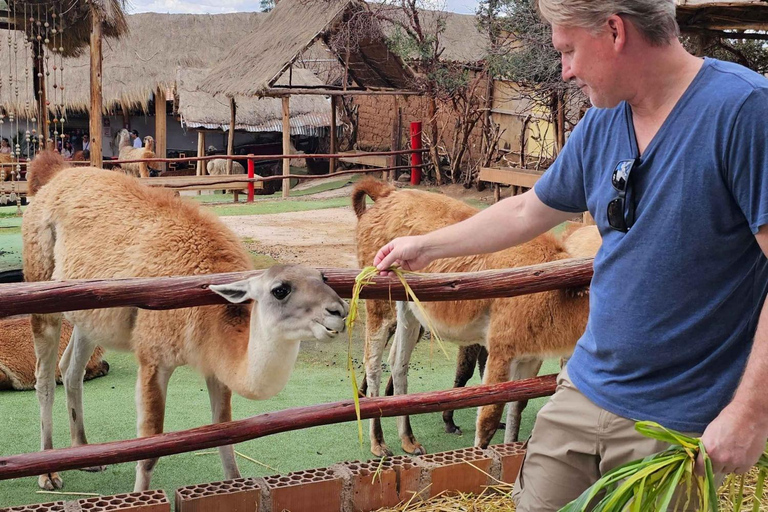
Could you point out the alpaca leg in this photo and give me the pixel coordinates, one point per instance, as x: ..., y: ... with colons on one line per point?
x: 465, y: 368
x: 496, y: 371
x: 523, y: 368
x: 151, y: 387
x: 221, y: 409
x: 406, y: 337
x: 46, y: 330
x: 73, y: 363
x: 379, y: 325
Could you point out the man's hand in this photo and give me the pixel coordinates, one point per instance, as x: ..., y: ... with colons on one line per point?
x: 408, y: 252
x: 734, y: 440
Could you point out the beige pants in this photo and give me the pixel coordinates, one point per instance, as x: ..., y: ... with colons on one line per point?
x: 574, y: 442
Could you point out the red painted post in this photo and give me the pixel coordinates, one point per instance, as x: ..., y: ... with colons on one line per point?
x: 251, y: 173
x: 415, y: 157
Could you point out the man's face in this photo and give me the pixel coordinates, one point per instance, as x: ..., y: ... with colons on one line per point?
x: 588, y: 59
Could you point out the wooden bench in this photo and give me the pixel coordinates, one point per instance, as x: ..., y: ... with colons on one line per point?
x: 516, y: 177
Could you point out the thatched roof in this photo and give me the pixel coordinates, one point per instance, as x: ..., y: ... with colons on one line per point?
x: 76, y: 17
x: 722, y: 15
x: 199, y: 109
x: 253, y: 68
x: 146, y: 58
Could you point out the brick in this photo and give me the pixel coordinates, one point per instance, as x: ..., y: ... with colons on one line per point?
x: 239, y: 495
x: 312, y: 490
x: 146, y: 501
x: 464, y: 470
x: 511, y: 456
x: 57, y: 506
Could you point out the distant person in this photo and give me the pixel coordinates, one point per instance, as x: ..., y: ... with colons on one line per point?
x: 136, y: 139
x: 67, y: 151
x: 86, y: 142
x: 5, y: 146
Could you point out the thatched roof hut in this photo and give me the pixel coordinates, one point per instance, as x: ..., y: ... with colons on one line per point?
x: 145, y: 58
x: 75, y: 17
x: 253, y: 68
x: 200, y: 109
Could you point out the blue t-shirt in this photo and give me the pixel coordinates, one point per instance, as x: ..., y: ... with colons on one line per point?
x: 674, y: 302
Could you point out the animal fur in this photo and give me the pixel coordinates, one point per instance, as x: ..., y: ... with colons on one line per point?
x: 73, y: 230
x: 17, y: 355
x: 218, y: 167
x: 517, y: 331
x: 126, y: 151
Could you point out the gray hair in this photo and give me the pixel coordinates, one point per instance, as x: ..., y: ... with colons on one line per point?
x: 654, y: 19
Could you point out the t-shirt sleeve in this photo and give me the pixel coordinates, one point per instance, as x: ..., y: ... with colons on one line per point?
x: 562, y: 185
x: 747, y: 159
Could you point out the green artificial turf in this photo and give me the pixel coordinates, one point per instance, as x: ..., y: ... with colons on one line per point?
x: 320, y: 376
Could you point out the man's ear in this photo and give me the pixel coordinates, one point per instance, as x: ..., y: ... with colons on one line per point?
x: 236, y: 292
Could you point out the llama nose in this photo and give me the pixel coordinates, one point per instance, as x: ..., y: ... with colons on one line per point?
x: 335, y: 311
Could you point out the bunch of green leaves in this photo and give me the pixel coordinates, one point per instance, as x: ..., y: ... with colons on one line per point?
x: 650, y: 484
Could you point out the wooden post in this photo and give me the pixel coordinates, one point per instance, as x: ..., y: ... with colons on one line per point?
x: 201, y: 169
x: 394, y: 142
x: 432, y: 114
x: 286, y: 145
x: 231, y: 138
x: 161, y: 133
x: 94, y: 118
x: 332, y: 161
x: 560, y: 121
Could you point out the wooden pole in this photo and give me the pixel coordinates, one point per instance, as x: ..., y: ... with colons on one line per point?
x: 94, y: 117
x: 161, y: 130
x: 286, y: 145
x: 231, y: 138
x: 394, y: 143
x: 201, y: 169
x: 332, y: 161
x: 181, y: 292
x: 219, y: 434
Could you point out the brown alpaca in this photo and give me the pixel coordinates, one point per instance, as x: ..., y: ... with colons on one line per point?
x: 127, y: 152
x: 517, y: 331
x: 73, y: 230
x: 17, y: 355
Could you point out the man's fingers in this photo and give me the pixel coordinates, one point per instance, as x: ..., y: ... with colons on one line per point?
x: 700, y: 467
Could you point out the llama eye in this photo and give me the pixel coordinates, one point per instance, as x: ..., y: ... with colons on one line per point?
x: 281, y: 291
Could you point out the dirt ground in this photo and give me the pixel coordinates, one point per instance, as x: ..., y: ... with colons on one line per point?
x: 322, y: 238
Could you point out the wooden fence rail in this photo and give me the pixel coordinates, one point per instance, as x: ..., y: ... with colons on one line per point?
x: 237, y: 157
x: 178, y: 292
x: 30, y: 464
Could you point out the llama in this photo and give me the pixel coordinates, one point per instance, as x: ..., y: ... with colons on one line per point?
x: 17, y: 355
x: 248, y: 348
x: 516, y: 331
x: 126, y: 151
x: 218, y: 167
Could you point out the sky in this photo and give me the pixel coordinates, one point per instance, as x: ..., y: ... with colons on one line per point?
x: 222, y: 6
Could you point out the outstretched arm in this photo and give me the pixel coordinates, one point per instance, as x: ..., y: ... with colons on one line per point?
x: 512, y: 221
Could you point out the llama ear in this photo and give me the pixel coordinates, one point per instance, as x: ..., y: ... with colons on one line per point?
x: 236, y: 292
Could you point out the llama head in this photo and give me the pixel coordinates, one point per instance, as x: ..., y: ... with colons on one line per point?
x: 291, y: 303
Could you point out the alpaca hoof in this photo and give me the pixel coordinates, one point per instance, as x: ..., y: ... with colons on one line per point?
x: 50, y: 482
x: 414, y: 449
x: 94, y: 469
x: 453, y: 429
x: 381, y: 450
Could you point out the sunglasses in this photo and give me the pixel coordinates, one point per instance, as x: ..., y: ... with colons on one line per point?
x: 620, y: 217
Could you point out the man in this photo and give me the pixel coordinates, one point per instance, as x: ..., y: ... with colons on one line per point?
x: 86, y: 142
x: 136, y: 139
x: 672, y: 164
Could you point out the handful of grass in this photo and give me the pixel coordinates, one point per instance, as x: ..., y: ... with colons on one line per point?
x: 364, y: 278
x: 649, y: 485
